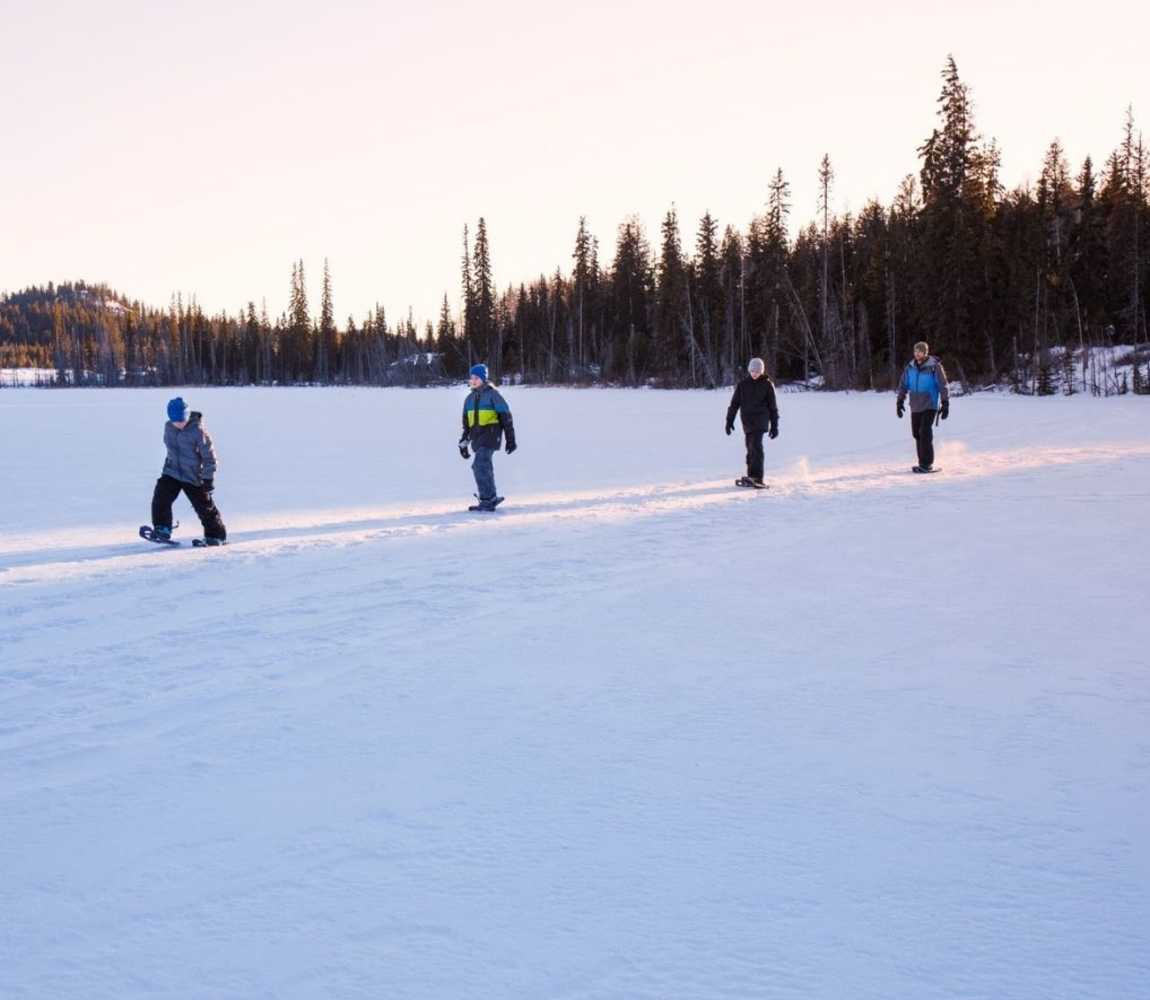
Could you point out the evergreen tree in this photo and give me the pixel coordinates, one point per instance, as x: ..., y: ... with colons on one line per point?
x: 481, y: 331
x: 326, y: 342
x: 583, y: 280
x: 671, y: 361
x: 708, y: 298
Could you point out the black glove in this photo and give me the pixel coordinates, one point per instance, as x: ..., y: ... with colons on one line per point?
x: 945, y: 409
x: 898, y: 409
x: 463, y: 452
x: 773, y: 432
x: 208, y: 485
x: 510, y: 446
x: 730, y: 427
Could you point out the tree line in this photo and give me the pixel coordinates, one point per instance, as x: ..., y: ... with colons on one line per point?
x: 1007, y: 285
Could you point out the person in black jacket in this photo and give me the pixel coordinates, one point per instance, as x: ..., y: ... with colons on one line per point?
x: 755, y: 397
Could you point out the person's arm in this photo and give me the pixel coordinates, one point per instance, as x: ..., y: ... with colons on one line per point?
x: 772, y: 411
x: 466, y: 430
x: 901, y: 401
x: 207, y: 458
x: 943, y: 392
x: 733, y: 409
x: 503, y: 412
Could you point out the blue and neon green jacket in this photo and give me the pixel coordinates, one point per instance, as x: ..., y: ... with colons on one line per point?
x: 925, y: 383
x: 486, y: 417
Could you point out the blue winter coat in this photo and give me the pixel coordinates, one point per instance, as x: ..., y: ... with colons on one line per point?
x: 925, y: 383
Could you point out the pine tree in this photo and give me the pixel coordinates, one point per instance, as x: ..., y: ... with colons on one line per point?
x: 708, y: 296
x: 731, y: 277
x: 298, y: 354
x: 670, y: 360
x: 326, y: 342
x: 467, y: 291
x: 481, y: 332
x: 582, y: 280
x: 954, y: 179
x: 826, y: 176
x: 631, y: 306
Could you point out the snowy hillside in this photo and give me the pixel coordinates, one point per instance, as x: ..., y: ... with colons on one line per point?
x: 868, y: 735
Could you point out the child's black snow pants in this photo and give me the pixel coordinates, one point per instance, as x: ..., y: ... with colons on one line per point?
x: 167, y: 489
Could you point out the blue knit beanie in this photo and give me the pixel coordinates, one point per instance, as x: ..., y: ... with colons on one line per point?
x: 479, y: 371
x: 177, y: 409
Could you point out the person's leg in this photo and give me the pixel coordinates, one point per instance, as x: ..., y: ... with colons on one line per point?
x: 922, y: 426
x: 163, y: 496
x: 926, y: 439
x: 209, y: 514
x: 755, y: 455
x: 484, y: 473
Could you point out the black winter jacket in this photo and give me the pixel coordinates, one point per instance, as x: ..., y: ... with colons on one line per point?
x: 755, y: 397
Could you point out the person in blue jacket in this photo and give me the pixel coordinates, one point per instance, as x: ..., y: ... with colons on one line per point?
x: 924, y: 380
x: 486, y: 419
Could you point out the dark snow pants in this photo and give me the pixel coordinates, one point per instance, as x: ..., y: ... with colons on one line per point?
x: 167, y: 489
x: 754, y: 454
x: 484, y: 473
x: 922, y: 427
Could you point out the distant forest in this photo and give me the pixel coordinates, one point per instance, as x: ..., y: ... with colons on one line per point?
x: 1006, y: 285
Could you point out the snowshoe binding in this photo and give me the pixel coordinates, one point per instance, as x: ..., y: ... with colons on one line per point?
x: 159, y: 534
x: 486, y: 506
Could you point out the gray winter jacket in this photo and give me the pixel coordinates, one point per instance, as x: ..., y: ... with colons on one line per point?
x: 191, y: 457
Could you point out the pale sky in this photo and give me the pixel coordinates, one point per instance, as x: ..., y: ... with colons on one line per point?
x: 202, y: 148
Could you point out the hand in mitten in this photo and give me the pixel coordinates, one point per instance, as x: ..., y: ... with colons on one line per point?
x: 463, y: 450
x: 898, y: 409
x: 510, y: 446
x: 209, y: 485
x: 730, y: 427
x: 773, y: 432
x: 945, y: 409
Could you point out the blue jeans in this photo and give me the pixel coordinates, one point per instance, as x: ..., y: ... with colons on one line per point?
x: 484, y: 473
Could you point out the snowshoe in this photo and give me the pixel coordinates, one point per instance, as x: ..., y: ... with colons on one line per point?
x: 486, y: 506
x: 207, y: 543
x: 159, y: 535
x: 753, y: 484
x: 924, y: 469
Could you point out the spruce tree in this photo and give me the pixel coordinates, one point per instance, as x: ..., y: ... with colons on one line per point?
x: 481, y: 331
x: 670, y: 348
x: 708, y: 296
x: 326, y: 343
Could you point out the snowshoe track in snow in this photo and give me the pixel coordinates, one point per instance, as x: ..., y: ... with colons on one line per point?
x: 79, y: 552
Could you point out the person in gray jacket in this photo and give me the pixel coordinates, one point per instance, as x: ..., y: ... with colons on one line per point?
x: 190, y: 468
x: 924, y: 380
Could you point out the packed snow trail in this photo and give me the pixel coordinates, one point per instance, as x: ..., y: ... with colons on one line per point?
x: 875, y: 736
x: 49, y: 555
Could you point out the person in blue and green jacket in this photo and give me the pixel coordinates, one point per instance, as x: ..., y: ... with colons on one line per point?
x: 924, y: 380
x: 486, y: 419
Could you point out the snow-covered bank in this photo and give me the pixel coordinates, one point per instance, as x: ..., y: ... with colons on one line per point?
x: 868, y: 735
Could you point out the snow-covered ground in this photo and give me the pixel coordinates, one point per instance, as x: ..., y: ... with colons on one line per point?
x: 639, y: 735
